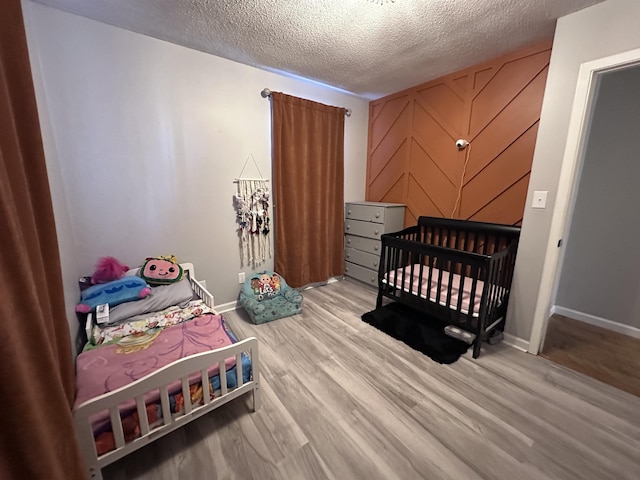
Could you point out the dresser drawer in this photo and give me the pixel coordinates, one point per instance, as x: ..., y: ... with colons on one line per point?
x: 391, y: 215
x: 365, y: 259
x: 369, y: 245
x: 360, y: 273
x: 366, y: 213
x: 363, y: 229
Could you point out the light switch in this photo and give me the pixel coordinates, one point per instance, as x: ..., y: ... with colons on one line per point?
x: 539, y: 199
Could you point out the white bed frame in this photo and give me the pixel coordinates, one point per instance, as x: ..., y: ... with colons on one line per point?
x: 159, y: 380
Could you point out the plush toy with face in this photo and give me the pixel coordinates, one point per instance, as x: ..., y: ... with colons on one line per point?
x: 160, y: 271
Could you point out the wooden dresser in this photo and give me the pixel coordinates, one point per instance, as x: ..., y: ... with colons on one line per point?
x: 364, y: 223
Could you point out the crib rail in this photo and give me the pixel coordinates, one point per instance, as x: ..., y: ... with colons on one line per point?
x: 458, y: 272
x: 422, y: 268
x: 469, y: 236
x: 159, y: 381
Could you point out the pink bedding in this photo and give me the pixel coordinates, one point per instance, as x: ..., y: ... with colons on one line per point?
x: 431, y: 292
x: 112, y: 366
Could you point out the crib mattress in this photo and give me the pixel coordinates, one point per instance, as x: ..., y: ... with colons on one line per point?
x: 429, y: 291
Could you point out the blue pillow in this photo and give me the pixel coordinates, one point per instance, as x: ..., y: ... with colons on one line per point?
x: 114, y: 293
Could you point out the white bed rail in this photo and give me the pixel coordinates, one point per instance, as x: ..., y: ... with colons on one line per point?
x: 202, y: 292
x: 179, y: 370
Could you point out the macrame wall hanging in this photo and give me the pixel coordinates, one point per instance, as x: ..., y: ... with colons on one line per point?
x: 252, y: 214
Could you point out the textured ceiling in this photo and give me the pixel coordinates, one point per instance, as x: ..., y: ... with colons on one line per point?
x: 370, y: 48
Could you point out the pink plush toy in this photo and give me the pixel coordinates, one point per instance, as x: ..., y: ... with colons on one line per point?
x: 107, y: 270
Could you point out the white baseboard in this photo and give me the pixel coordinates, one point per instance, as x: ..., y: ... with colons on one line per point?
x: 226, y: 307
x: 516, y: 342
x: 597, y: 321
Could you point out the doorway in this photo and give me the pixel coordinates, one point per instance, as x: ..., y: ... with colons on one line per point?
x: 568, y: 179
x: 595, y: 326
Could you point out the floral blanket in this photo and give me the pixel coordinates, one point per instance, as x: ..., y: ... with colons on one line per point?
x: 174, y: 315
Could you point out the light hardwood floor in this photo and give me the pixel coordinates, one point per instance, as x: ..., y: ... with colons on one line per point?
x: 342, y: 400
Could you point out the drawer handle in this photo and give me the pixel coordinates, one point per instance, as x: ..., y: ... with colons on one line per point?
x: 349, y: 241
x: 349, y: 211
x: 348, y: 227
x: 348, y: 255
x: 375, y: 248
x: 376, y: 232
x: 373, y: 279
x: 377, y: 214
x: 375, y: 264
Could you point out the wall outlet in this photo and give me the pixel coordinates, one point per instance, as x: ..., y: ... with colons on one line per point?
x: 241, y: 277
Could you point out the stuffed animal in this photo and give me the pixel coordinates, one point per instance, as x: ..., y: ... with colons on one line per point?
x: 114, y: 293
x: 107, y: 270
x: 161, y: 270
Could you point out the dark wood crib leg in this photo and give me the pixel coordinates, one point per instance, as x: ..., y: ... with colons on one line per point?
x: 476, y: 346
x: 379, y: 299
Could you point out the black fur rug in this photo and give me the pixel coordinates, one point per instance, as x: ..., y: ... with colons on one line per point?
x: 417, y: 330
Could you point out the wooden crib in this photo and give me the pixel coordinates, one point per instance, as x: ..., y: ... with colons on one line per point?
x: 456, y: 271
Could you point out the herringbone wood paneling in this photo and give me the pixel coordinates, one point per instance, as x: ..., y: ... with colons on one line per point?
x: 412, y: 157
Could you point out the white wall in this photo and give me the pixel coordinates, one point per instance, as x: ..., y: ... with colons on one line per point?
x: 143, y: 139
x: 593, y: 33
x: 600, y: 268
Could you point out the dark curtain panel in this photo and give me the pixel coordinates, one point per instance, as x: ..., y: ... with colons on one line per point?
x: 37, y: 438
x: 308, y: 185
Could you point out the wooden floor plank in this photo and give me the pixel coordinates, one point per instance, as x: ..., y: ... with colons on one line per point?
x: 603, y: 354
x: 341, y: 399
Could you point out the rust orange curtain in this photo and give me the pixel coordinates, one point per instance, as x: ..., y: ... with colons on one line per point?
x: 37, y: 438
x: 308, y: 186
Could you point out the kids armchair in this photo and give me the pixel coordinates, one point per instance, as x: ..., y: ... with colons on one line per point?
x: 266, y: 296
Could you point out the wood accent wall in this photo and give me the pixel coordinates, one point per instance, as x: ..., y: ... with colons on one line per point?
x: 412, y: 156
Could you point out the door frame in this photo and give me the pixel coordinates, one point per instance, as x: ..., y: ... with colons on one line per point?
x: 573, y: 158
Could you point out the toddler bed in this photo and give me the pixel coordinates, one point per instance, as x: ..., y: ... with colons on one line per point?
x: 456, y: 271
x: 153, y: 372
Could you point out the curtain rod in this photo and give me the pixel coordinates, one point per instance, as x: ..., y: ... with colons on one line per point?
x: 267, y: 93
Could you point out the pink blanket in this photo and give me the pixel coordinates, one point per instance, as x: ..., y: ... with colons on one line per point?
x: 430, y: 291
x: 112, y: 366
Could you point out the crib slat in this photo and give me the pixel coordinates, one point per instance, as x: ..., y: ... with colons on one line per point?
x: 116, y: 426
x: 239, y: 379
x: 204, y: 379
x: 421, y: 278
x: 255, y: 376
x: 475, y: 273
x: 186, y: 395
x: 143, y: 420
x: 166, y: 408
x: 450, y: 269
x: 461, y: 289
x: 223, y: 378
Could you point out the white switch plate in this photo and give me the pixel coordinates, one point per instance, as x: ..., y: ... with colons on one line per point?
x: 539, y: 199
x: 241, y: 277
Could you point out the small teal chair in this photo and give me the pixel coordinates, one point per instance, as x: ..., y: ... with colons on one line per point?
x: 266, y: 296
